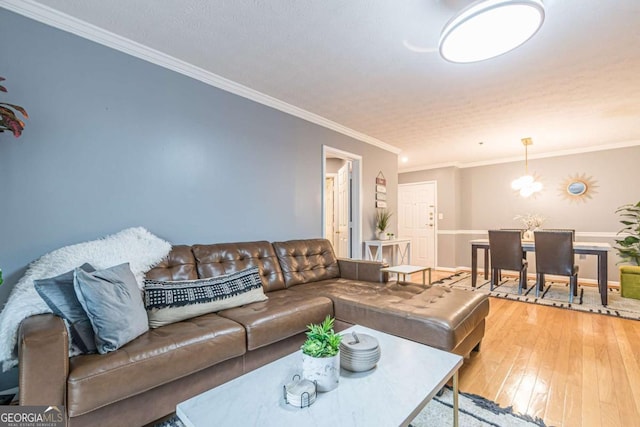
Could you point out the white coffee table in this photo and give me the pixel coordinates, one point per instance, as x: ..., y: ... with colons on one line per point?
x: 407, y: 376
x: 408, y: 269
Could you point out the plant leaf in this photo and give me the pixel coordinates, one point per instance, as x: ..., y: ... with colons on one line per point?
x: 17, y: 108
x: 13, y: 125
x: 5, y: 112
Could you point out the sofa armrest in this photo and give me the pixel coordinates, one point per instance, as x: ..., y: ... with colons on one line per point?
x: 369, y: 271
x: 43, y: 352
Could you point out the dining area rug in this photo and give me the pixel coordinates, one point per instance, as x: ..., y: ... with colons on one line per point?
x: 555, y: 294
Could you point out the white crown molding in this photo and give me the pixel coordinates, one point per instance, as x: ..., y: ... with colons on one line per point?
x: 560, y: 153
x: 62, y: 21
x: 428, y: 167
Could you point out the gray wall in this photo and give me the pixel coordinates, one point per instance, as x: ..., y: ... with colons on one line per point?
x: 481, y: 198
x: 113, y: 142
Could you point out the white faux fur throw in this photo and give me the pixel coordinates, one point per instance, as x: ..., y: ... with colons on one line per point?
x: 141, y: 249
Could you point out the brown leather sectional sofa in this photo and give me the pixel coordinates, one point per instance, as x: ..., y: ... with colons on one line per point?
x: 144, y: 380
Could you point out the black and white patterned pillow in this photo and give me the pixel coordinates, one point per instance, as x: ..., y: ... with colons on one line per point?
x: 172, y: 301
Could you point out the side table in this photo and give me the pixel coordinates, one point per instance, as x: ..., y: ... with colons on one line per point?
x: 408, y: 269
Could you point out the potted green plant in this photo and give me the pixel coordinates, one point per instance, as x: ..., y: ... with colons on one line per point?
x: 321, y: 355
x: 628, y: 247
x: 383, y: 220
x: 8, y: 118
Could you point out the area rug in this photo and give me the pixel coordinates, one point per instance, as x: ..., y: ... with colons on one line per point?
x: 555, y: 294
x: 474, y: 411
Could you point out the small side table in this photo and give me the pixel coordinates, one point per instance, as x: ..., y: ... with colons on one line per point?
x: 408, y: 269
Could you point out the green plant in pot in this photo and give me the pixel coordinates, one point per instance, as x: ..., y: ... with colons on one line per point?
x: 321, y: 355
x: 383, y: 220
x: 628, y: 247
x: 9, y: 120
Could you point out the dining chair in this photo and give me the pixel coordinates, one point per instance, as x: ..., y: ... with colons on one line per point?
x: 520, y: 230
x: 573, y: 232
x: 524, y: 253
x: 505, y: 248
x: 555, y: 255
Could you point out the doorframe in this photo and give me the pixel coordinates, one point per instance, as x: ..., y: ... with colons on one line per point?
x: 335, y: 196
x: 356, y: 196
x: 435, y: 231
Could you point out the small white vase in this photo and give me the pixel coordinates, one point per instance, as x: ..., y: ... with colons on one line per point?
x: 528, y: 234
x: 324, y: 370
x: 382, y: 235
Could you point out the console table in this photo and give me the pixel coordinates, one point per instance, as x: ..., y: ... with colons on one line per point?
x: 400, y: 250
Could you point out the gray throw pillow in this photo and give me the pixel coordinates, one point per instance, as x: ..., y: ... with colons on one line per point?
x: 58, y: 293
x: 169, y: 302
x: 113, y: 302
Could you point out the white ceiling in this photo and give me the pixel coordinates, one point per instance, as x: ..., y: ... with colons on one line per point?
x: 575, y: 85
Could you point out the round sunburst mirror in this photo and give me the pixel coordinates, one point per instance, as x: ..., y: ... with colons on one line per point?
x: 578, y: 188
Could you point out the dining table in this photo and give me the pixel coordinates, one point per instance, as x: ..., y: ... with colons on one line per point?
x: 599, y: 249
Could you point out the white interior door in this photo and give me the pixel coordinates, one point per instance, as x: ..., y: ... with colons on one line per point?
x: 417, y: 221
x: 343, y: 206
x: 351, y: 224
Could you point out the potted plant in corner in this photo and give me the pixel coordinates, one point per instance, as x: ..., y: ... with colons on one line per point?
x: 8, y: 118
x: 383, y: 219
x: 321, y: 355
x: 628, y: 247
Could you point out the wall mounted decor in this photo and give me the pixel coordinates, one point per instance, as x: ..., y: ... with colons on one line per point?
x: 578, y: 188
x: 381, y: 191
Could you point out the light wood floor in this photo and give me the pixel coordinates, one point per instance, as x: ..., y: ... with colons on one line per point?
x: 569, y: 368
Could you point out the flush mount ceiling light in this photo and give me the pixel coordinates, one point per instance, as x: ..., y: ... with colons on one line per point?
x: 488, y: 28
x: 526, y: 185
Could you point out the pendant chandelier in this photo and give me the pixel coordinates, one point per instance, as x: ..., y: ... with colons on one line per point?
x: 488, y: 28
x: 526, y: 185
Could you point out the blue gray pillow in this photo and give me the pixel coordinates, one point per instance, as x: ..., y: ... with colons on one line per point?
x: 113, y: 303
x: 59, y: 294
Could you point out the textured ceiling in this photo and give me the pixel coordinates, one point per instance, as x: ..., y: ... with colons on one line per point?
x: 575, y: 85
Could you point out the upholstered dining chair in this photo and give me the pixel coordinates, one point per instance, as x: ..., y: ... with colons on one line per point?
x: 555, y: 255
x: 573, y: 232
x: 505, y: 248
x: 520, y: 230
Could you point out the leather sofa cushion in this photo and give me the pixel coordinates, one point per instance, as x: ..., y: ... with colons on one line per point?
x: 214, y: 260
x: 179, y: 265
x: 157, y: 357
x: 283, y: 315
x: 305, y: 261
x: 435, y: 316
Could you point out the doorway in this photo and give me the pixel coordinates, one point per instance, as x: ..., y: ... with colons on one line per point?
x: 330, y: 206
x: 417, y: 209
x: 341, y: 202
